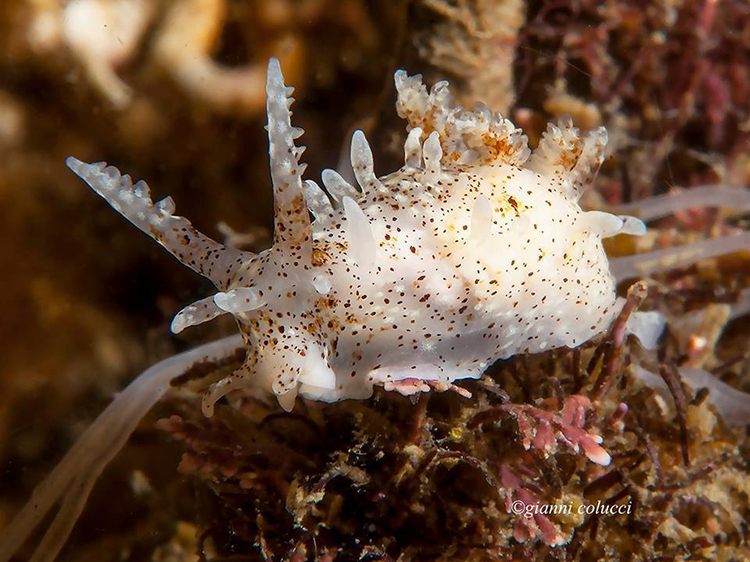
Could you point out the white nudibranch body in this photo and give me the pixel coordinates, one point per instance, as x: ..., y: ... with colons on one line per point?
x: 474, y: 251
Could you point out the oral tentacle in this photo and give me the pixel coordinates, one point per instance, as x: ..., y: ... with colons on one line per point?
x: 176, y: 234
x: 199, y: 312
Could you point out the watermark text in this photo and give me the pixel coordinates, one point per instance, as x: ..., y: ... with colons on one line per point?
x: 528, y: 510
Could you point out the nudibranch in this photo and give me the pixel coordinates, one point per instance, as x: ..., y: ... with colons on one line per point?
x: 474, y: 251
